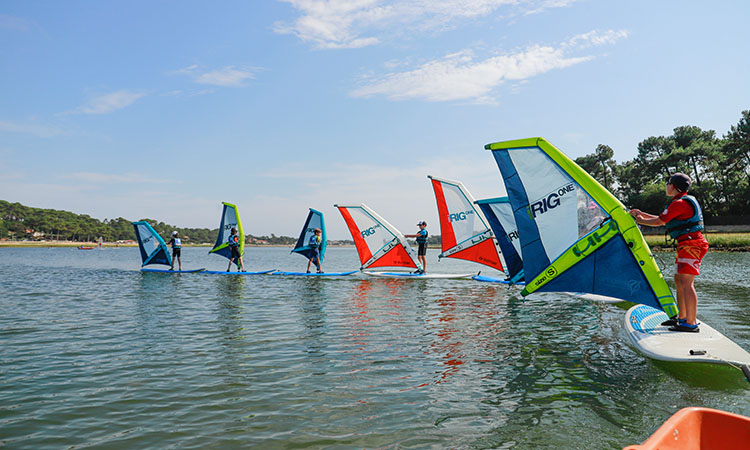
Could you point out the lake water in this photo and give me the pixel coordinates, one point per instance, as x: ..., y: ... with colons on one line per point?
x: 94, y: 353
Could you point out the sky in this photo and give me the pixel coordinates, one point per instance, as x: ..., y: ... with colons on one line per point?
x: 163, y: 110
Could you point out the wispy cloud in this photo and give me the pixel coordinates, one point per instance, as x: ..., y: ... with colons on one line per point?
x: 112, y: 178
x: 228, y: 76
x: 108, y: 103
x: 36, y: 129
x: 336, y: 24
x: 461, y: 76
x: 13, y: 23
x: 375, y: 185
x: 537, y: 7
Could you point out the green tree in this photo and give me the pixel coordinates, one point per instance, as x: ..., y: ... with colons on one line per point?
x: 600, y: 165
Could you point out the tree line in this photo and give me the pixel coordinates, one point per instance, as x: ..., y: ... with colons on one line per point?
x: 18, y: 221
x: 719, y: 168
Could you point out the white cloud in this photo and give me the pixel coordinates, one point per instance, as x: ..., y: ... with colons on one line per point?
x: 596, y: 38
x: 109, y: 178
x: 543, y: 5
x: 188, y: 92
x: 108, y: 103
x: 228, y: 76
x: 12, y: 23
x: 460, y: 76
x: 36, y: 129
x: 336, y: 24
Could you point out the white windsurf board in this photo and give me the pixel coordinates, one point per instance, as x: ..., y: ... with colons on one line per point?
x: 643, y: 327
x: 419, y: 275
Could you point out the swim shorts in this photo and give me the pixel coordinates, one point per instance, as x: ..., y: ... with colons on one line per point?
x: 176, y: 252
x: 689, y: 256
x: 235, y: 252
x: 422, y: 250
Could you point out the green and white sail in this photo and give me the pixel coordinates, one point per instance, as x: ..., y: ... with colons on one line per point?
x: 230, y: 218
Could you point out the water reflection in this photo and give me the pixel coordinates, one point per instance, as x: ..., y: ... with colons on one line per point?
x: 311, y: 300
x: 231, y: 286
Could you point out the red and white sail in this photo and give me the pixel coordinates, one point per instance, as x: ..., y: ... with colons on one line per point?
x: 378, y: 243
x: 464, y: 231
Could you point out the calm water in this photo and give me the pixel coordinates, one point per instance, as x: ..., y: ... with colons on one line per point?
x: 94, y: 353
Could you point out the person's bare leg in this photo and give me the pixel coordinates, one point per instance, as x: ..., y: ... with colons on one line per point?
x: 689, y: 296
x: 680, y: 297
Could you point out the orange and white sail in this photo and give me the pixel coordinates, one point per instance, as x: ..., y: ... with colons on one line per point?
x: 464, y: 231
x: 378, y: 243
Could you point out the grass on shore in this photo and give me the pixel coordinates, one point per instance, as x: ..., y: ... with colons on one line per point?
x: 717, y: 241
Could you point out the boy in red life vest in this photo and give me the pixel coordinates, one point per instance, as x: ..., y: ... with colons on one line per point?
x: 684, y: 221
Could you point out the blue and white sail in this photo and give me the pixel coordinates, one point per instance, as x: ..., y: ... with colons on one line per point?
x: 153, y: 248
x: 575, y: 235
x: 499, y: 215
x: 230, y: 218
x: 314, y: 220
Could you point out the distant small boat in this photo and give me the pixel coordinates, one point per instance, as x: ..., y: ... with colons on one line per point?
x: 699, y: 428
x: 85, y: 247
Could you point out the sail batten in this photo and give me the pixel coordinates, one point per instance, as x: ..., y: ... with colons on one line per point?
x: 575, y: 235
x: 378, y: 243
x: 464, y: 231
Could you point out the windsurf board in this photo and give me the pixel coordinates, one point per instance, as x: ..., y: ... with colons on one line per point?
x: 419, y: 275
x: 220, y: 272
x: 644, y: 329
x: 314, y: 274
x: 172, y: 271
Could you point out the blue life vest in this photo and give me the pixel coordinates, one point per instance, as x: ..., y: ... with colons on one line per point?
x: 314, y: 241
x: 234, y: 241
x: 176, y: 243
x: 677, y: 228
x: 422, y: 238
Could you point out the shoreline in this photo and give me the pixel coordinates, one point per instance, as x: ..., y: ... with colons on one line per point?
x: 719, y: 242
x: 74, y: 244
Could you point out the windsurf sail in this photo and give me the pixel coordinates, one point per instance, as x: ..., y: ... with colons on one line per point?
x: 499, y: 215
x: 575, y: 235
x: 378, y: 243
x: 153, y: 248
x: 314, y: 220
x: 464, y: 232
x: 230, y: 218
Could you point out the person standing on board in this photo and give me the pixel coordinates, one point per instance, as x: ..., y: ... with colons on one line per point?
x: 176, y: 244
x: 422, y: 242
x: 234, y: 249
x: 315, y: 242
x: 684, y: 221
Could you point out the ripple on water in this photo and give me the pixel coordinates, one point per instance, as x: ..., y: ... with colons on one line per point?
x: 96, y: 353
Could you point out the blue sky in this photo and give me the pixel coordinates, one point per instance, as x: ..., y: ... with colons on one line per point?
x: 164, y: 109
